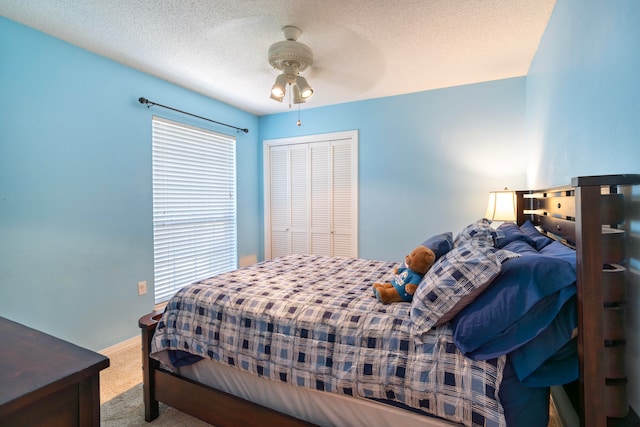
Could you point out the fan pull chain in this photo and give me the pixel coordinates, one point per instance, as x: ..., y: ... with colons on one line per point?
x: 299, y: 123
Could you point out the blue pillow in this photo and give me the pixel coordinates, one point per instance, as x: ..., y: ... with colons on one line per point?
x: 561, y: 368
x: 551, y: 357
x: 557, y: 250
x: 539, y: 239
x: 509, y: 232
x: 440, y: 244
x: 520, y: 303
x: 522, y: 248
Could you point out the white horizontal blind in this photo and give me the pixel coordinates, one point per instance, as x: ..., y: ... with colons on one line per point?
x: 194, y: 205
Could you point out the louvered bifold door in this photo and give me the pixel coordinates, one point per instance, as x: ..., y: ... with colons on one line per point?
x: 299, y: 184
x: 279, y: 200
x: 343, y: 209
x: 320, y: 230
x: 311, y: 193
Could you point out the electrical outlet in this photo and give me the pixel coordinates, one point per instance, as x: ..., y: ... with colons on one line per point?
x: 142, y: 288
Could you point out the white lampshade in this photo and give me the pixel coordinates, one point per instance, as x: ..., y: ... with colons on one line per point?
x: 502, y: 206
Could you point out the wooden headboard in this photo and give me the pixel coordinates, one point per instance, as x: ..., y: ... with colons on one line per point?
x: 589, y: 215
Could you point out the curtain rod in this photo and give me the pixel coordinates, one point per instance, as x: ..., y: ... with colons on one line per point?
x: 146, y: 101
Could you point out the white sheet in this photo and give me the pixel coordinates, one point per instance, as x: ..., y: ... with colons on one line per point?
x: 324, y: 409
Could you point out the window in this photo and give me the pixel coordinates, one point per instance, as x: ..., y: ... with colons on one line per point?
x: 194, y: 205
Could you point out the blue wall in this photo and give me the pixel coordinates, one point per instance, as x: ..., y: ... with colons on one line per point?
x: 583, y: 100
x: 426, y: 160
x: 583, y: 92
x: 75, y: 186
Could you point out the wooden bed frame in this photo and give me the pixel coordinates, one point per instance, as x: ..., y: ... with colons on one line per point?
x: 589, y: 215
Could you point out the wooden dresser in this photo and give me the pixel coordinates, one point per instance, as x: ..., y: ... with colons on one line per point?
x: 45, y: 381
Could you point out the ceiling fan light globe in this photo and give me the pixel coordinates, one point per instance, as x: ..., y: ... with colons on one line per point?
x: 297, y: 99
x: 277, y: 98
x: 278, y: 90
x: 306, y: 91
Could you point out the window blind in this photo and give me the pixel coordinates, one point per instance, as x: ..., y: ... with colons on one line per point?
x: 194, y: 205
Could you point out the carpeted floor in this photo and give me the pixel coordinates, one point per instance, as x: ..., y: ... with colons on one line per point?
x: 121, y: 394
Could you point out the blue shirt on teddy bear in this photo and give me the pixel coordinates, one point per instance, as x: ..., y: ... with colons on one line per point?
x: 405, y: 276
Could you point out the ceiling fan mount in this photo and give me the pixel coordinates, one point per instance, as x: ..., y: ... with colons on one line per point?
x: 290, y: 53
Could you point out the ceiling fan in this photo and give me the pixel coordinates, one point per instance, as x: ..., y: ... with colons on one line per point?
x: 291, y: 58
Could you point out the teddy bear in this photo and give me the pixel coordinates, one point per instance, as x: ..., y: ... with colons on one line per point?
x: 407, y: 277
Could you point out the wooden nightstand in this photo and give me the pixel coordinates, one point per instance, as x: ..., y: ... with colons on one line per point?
x: 45, y: 381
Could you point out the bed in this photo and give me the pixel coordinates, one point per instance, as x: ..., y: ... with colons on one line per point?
x: 301, y: 340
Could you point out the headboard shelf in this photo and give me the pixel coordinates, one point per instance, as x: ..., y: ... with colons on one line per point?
x: 552, y: 204
x: 614, y: 287
x: 589, y: 215
x: 600, y: 180
x: 561, y: 209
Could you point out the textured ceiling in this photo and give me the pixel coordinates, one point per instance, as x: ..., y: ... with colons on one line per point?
x: 362, y: 48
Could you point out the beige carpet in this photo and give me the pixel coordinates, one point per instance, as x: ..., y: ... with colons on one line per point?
x: 121, y: 394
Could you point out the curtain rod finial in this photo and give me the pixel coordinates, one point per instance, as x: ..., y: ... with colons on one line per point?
x: 142, y: 100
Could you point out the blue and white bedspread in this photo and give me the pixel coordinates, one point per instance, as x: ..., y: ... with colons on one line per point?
x: 313, y: 321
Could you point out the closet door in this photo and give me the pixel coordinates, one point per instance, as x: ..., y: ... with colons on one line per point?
x: 343, y: 199
x: 311, y: 196
x: 279, y: 201
x: 320, y: 229
x: 299, y: 201
x: 289, y: 200
x: 332, y: 198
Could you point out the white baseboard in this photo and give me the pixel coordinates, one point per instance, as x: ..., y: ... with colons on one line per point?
x: 247, y: 260
x: 564, y: 407
x: 127, y: 344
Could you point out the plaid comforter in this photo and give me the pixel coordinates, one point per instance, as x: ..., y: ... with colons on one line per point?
x: 313, y: 321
